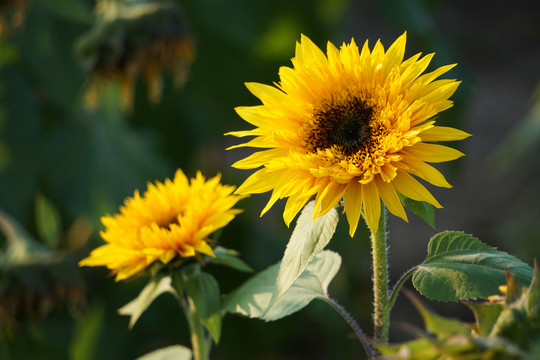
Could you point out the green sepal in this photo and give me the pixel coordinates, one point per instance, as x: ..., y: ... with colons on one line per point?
x: 156, y: 286
x: 203, y: 289
x: 421, y: 208
x: 461, y: 267
x: 486, y: 315
x: 229, y: 257
x: 252, y: 299
x: 533, y: 297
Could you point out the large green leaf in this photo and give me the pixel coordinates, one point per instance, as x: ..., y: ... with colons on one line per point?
x: 203, y: 289
x: 461, y: 267
x: 253, y: 297
x: 175, y: 352
x: 157, y: 286
x: 309, y: 238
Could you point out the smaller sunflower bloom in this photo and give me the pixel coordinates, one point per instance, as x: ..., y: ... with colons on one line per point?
x: 12, y: 14
x: 349, y: 124
x: 172, y: 220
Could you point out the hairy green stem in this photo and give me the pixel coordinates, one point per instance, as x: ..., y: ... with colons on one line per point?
x: 381, y: 313
x: 357, y: 331
x: 395, y: 291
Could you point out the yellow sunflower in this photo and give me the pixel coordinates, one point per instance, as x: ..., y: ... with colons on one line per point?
x: 171, y: 219
x: 349, y: 124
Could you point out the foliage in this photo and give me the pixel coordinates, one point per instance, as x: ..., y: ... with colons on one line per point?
x: 507, y: 327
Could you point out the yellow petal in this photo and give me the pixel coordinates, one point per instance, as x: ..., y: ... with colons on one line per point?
x: 259, y: 158
x: 372, y: 206
x: 433, y: 153
x: 443, y: 133
x: 411, y: 188
x: 390, y: 198
x: 423, y: 170
x: 259, y: 182
x: 353, y: 205
x: 328, y: 198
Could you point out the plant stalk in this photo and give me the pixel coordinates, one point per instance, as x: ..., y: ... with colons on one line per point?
x: 370, y: 352
x: 199, y: 341
x: 381, y: 311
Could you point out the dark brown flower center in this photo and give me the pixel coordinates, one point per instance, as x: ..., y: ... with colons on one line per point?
x: 347, y: 127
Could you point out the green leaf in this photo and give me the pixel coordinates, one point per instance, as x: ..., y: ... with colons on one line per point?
x: 203, y: 289
x: 155, y: 287
x: 421, y: 208
x: 418, y: 349
x: 461, y: 267
x: 253, y: 297
x: 48, y: 222
x: 175, y: 352
x: 486, y: 315
x: 86, y: 335
x: 440, y: 326
x: 71, y: 10
x: 308, y: 238
x: 229, y: 258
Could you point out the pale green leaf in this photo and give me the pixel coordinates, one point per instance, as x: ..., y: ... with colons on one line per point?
x: 253, y: 297
x: 154, y: 288
x: 174, y: 352
x: 48, y: 222
x: 308, y: 238
x: 461, y: 267
x: 203, y: 289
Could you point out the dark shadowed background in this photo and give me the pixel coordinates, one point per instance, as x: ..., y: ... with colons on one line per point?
x: 60, y: 161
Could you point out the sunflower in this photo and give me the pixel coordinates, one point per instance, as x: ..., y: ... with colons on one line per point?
x: 171, y: 220
x: 353, y: 124
x: 135, y: 39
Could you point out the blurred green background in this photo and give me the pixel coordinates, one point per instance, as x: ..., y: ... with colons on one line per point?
x: 62, y: 166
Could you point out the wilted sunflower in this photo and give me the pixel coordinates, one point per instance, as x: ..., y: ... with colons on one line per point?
x: 349, y: 124
x: 12, y: 14
x: 131, y: 40
x: 171, y: 220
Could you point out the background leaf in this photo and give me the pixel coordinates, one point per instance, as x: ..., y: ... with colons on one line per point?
x: 461, y: 267
x: 253, y: 297
x: 156, y: 287
x: 308, y: 238
x: 175, y: 352
x: 48, y: 222
x: 204, y: 291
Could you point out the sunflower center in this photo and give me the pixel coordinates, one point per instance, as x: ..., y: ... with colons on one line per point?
x: 348, y: 127
x: 166, y: 223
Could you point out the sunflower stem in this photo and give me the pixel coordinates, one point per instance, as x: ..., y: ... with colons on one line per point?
x: 200, y: 343
x: 381, y: 318
x: 370, y: 352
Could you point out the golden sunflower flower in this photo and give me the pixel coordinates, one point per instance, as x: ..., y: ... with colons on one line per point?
x: 172, y: 219
x: 349, y: 124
